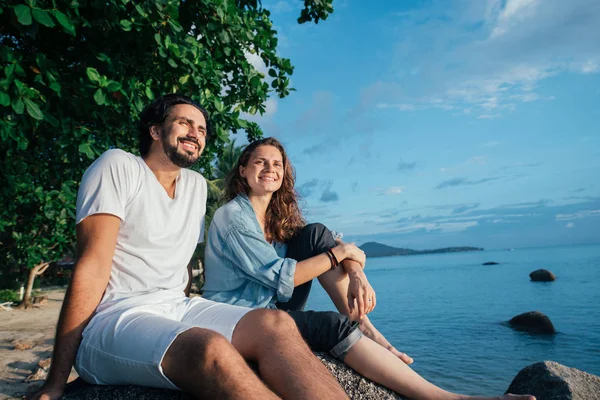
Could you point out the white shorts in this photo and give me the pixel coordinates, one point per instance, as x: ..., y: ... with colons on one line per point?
x: 126, y: 346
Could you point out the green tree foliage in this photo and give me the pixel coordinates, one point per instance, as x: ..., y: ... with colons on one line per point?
x: 74, y: 75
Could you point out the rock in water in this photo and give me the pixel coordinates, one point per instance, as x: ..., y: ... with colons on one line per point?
x: 549, y: 380
x: 490, y: 263
x: 357, y: 387
x: 533, y: 322
x: 542, y: 275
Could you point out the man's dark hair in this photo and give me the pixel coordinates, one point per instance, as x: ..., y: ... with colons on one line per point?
x: 156, y: 112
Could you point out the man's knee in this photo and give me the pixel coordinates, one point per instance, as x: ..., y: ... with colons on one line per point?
x: 199, y: 349
x: 275, y: 323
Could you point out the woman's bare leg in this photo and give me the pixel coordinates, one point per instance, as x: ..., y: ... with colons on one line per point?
x: 335, y: 282
x: 376, y: 363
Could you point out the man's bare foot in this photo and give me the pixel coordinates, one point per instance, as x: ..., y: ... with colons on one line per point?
x: 372, y: 333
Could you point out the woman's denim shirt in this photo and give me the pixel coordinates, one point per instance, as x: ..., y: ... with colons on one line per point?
x: 241, y: 267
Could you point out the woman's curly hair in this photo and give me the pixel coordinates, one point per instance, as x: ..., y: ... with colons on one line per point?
x: 283, y: 219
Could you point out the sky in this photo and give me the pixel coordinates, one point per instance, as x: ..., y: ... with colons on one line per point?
x: 428, y: 124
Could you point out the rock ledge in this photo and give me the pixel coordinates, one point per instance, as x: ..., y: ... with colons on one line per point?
x: 550, y: 380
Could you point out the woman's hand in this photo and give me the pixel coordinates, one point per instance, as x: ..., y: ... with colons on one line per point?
x: 350, y: 251
x: 360, y: 293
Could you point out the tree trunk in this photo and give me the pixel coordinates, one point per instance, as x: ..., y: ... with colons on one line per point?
x: 35, y: 271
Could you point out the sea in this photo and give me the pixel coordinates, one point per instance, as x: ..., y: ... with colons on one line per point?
x: 449, y: 312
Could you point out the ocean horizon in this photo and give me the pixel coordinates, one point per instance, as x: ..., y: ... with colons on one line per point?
x: 449, y: 312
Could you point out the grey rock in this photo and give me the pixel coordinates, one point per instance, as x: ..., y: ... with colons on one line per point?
x: 533, y: 322
x: 542, y: 275
x: 549, y: 380
x: 357, y: 387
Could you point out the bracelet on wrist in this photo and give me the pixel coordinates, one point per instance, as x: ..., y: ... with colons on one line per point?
x: 330, y: 259
x: 334, y: 260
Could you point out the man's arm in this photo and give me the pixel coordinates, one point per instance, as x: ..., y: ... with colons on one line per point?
x: 96, y: 240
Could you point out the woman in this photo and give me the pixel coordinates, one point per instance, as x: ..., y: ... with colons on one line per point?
x: 259, y: 253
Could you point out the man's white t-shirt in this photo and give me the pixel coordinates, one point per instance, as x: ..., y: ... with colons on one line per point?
x: 157, y: 236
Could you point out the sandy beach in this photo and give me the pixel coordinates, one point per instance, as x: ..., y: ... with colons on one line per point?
x: 26, y: 338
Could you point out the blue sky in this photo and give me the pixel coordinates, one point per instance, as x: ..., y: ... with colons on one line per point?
x: 427, y: 124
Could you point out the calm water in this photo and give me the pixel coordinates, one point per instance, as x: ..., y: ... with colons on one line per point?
x: 447, y: 312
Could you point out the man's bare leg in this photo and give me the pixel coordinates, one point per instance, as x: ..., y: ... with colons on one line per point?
x: 376, y: 363
x: 335, y: 282
x: 271, y: 339
x: 204, y: 364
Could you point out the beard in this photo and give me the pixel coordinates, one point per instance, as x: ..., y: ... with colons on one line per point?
x: 180, y: 159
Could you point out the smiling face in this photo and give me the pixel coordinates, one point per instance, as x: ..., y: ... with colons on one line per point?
x: 183, y: 135
x: 264, y: 171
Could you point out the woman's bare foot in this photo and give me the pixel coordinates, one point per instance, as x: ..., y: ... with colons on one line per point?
x: 369, y: 330
x: 505, y: 397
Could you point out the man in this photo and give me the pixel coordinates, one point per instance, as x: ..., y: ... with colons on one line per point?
x: 125, y: 318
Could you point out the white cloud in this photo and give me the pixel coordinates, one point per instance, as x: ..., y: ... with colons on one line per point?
x: 436, y: 226
x: 486, y: 58
x: 570, y: 225
x: 514, y: 12
x: 394, y: 190
x: 590, y: 67
x: 578, y: 215
x: 257, y: 62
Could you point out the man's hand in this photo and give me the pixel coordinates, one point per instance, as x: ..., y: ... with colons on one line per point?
x: 360, y: 293
x: 47, y: 392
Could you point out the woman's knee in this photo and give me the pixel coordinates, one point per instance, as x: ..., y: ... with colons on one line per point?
x: 313, y: 239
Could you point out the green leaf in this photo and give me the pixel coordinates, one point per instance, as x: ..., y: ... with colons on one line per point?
x: 172, y: 63
x: 140, y: 11
x: 219, y: 105
x: 99, y: 97
x: 4, y: 99
x: 56, y: 87
x: 103, y: 57
x: 19, y: 70
x: 18, y: 106
x: 175, y: 25
x: 113, y: 86
x: 8, y: 70
x: 272, y: 73
x: 43, y: 17
x: 22, y: 144
x: 23, y: 14
x: 126, y: 25
x: 33, y: 110
x: 65, y: 22
x: 184, y: 79
x: 149, y: 93
x: 86, y: 149
x: 93, y: 75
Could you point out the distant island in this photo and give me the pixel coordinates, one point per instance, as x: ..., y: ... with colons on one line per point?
x: 374, y: 249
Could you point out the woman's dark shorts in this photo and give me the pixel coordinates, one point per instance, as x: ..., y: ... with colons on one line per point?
x: 324, y: 331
